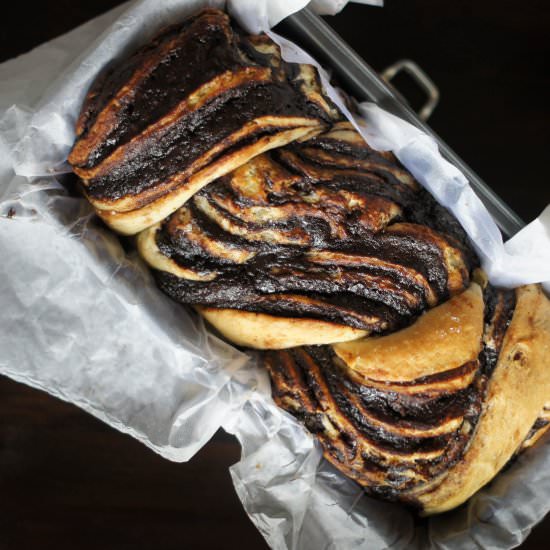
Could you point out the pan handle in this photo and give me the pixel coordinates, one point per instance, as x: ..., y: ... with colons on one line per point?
x: 421, y: 78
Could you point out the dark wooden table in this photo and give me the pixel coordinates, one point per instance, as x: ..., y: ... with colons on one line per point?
x: 69, y: 481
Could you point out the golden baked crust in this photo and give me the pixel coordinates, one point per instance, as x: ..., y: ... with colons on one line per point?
x: 429, y: 436
x: 199, y: 100
x: 326, y: 230
x: 393, y: 435
x: 517, y: 391
x: 444, y: 338
x: 262, y: 331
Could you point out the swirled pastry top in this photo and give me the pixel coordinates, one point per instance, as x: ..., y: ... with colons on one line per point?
x: 196, y: 102
x: 328, y: 229
x: 434, y: 440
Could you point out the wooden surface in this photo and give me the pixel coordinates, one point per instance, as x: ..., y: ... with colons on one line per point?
x: 69, y: 481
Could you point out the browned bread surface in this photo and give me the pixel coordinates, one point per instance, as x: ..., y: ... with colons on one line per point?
x: 263, y: 331
x: 307, y: 237
x: 326, y: 231
x: 516, y: 394
x: 198, y: 101
x: 434, y: 440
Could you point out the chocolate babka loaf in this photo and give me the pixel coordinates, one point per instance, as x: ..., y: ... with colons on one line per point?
x: 198, y: 101
x: 316, y: 242
x: 256, y: 204
x: 429, y: 414
x: 434, y: 379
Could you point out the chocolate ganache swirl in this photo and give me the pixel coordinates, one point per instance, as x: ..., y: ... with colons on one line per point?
x: 397, y: 432
x: 328, y: 229
x: 256, y: 203
x: 197, y: 101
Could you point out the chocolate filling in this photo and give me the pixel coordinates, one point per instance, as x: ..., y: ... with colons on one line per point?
x: 363, y: 428
x: 389, y: 271
x: 139, y: 91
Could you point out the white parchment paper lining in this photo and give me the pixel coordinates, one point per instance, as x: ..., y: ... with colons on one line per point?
x: 82, y: 320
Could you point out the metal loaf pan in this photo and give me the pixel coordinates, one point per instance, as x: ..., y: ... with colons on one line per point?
x: 315, y: 36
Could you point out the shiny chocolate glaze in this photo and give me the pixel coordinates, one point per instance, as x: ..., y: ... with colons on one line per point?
x: 331, y: 230
x: 499, y: 308
x: 385, y: 436
x: 140, y: 92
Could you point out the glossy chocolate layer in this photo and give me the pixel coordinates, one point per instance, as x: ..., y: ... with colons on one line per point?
x: 151, y: 118
x: 539, y: 428
x: 499, y: 308
x: 391, y: 438
x: 327, y: 229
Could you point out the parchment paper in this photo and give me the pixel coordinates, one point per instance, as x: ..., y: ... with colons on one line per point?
x: 82, y: 320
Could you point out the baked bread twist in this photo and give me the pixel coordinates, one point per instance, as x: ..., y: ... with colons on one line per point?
x: 328, y: 242
x: 419, y: 379
x: 198, y: 101
x: 316, y: 242
x: 429, y: 414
